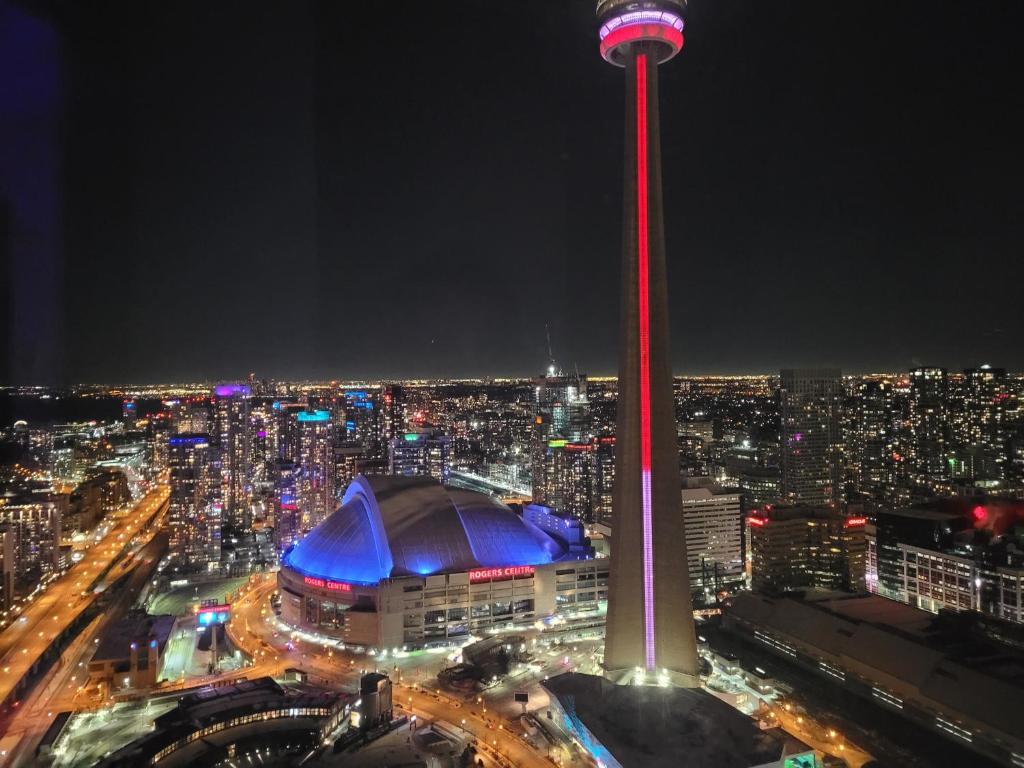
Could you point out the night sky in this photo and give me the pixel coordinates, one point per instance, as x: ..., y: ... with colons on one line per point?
x: 196, y: 190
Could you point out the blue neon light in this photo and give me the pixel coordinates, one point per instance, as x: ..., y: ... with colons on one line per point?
x: 313, y: 416
x: 194, y: 440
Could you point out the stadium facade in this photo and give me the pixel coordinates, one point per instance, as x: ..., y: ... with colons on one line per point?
x: 406, y: 563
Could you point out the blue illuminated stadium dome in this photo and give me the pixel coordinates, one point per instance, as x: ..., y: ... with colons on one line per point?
x: 406, y: 526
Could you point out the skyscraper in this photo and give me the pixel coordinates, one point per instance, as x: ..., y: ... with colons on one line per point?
x: 392, y: 412
x: 650, y: 617
x: 714, y: 538
x: 929, y: 439
x: 561, y: 415
x: 424, y: 453
x: 194, y: 519
x: 231, y: 429
x: 315, y: 461
x: 810, y: 400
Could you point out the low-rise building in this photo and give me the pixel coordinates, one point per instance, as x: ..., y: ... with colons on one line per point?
x: 960, y: 679
x: 130, y: 653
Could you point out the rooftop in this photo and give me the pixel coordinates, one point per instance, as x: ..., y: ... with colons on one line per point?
x: 948, y: 659
x: 650, y: 727
x: 391, y: 526
x: 118, y: 638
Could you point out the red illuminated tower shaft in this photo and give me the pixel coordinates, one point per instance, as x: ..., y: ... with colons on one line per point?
x: 650, y: 621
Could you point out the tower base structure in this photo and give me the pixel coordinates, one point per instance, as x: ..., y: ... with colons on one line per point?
x: 640, y: 676
x: 632, y: 726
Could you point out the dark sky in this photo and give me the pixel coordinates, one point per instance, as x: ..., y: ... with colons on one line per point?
x: 337, y: 189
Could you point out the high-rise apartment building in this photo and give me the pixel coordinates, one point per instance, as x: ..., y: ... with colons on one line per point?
x: 363, y: 423
x: 232, y: 434
x: 874, y: 433
x: 928, y: 444
x: 6, y: 570
x: 810, y: 400
x: 34, y: 521
x: 287, y: 515
x: 424, y: 453
x: 577, y: 479
x: 194, y: 516
x: 315, y: 460
x: 392, y: 413
x: 561, y: 415
x: 713, y: 521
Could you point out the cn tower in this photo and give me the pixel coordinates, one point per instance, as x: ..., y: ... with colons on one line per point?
x: 650, y: 633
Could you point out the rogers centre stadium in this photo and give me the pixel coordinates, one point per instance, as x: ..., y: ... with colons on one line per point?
x: 406, y: 563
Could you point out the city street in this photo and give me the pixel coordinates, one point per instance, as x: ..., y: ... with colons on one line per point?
x: 28, y: 638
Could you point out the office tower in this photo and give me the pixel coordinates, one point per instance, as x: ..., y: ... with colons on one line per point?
x: 794, y: 548
x: 561, y: 413
x: 928, y: 444
x: 424, y: 453
x: 193, y: 515
x: 232, y: 433
x: 810, y: 401
x: 650, y: 619
x: 713, y: 522
x: 315, y: 460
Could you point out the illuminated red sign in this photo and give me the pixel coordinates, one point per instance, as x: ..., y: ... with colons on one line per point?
x: 490, y: 574
x: 758, y: 521
x: 851, y: 522
x: 338, y: 586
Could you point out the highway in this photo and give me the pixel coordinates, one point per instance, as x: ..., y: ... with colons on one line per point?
x: 29, y: 637
x: 63, y: 686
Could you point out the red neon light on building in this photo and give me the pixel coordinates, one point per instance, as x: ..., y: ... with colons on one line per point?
x: 636, y: 33
x: 490, y: 574
x: 852, y: 522
x: 643, y: 281
x: 758, y: 521
x: 337, y: 586
x: 579, y: 447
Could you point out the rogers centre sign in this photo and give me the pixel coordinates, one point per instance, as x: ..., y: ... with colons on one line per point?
x: 489, y: 574
x: 338, y: 586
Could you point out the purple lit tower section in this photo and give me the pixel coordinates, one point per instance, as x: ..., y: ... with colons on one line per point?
x: 650, y: 634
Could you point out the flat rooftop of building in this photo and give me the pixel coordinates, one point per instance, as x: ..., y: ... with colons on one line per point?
x: 652, y: 727
x: 923, y: 514
x: 873, y: 608
x: 956, y: 660
x: 117, y: 639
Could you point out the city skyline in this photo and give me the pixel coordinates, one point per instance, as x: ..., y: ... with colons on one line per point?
x: 395, y: 504
x: 829, y: 175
